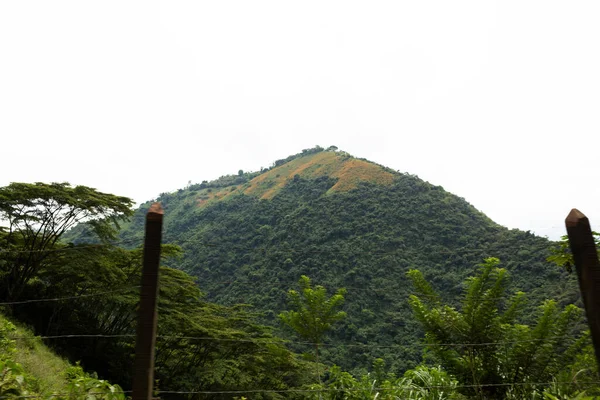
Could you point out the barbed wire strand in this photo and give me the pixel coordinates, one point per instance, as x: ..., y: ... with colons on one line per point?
x: 46, y: 396
x: 50, y: 299
x: 283, y: 342
x: 170, y: 282
x: 257, y: 391
x: 326, y: 390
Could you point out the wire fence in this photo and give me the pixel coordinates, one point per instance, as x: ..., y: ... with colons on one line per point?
x: 259, y: 340
x: 371, y: 390
x: 263, y: 341
x: 173, y: 282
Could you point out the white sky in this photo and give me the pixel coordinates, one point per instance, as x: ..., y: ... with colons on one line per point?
x: 498, y: 102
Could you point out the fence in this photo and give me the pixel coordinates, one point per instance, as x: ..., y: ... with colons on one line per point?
x: 581, y: 242
x: 580, y: 238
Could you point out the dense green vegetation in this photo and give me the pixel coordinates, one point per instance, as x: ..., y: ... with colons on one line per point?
x: 29, y: 369
x: 232, y: 351
x: 38, y: 215
x: 486, y: 345
x: 84, y: 297
x: 483, y: 350
x: 312, y: 313
x: 235, y: 247
x: 247, y: 249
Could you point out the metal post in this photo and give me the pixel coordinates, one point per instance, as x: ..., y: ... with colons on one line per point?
x: 587, y: 265
x: 143, y: 374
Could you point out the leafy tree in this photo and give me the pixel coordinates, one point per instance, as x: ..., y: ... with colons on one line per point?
x: 483, y: 344
x: 561, y: 252
x: 424, y: 383
x: 200, y: 346
x: 38, y: 214
x: 421, y: 383
x: 312, y: 312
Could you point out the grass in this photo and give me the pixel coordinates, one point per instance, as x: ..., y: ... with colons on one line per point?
x: 348, y: 170
x: 39, y: 361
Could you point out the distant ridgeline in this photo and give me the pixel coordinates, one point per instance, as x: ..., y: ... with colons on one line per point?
x: 344, y: 222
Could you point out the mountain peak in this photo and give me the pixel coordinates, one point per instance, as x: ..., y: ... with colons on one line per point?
x: 310, y: 164
x: 348, y: 171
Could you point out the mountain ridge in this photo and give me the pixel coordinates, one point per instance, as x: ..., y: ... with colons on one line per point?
x: 311, y: 163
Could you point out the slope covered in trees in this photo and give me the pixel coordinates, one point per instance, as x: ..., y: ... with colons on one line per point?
x: 348, y: 223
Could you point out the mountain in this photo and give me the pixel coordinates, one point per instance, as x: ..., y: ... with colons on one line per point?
x: 344, y: 222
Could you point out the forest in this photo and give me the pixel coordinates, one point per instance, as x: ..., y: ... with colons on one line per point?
x: 323, y: 276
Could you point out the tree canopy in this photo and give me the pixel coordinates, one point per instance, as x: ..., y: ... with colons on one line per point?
x: 94, y: 293
x: 485, y: 343
x: 312, y: 312
x: 38, y: 215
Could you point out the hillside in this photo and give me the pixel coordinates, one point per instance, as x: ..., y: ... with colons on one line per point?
x: 350, y: 223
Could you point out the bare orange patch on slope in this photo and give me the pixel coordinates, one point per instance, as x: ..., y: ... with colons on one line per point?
x: 254, y: 183
x: 206, y: 197
x: 267, y: 185
x: 354, y: 171
x: 349, y: 172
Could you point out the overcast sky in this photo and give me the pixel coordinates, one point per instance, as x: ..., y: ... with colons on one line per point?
x: 498, y: 102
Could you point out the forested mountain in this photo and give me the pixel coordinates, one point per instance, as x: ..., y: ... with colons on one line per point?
x: 344, y: 222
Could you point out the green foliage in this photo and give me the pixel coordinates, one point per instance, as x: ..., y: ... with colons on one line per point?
x: 421, y: 383
x: 231, y: 352
x: 305, y: 152
x: 561, y: 252
x: 485, y: 345
x: 83, y: 386
x: 246, y: 250
x: 312, y: 312
x: 17, y: 382
x: 201, y: 346
x: 14, y: 382
x: 38, y: 215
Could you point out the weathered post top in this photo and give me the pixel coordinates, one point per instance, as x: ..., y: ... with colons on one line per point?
x: 155, y: 212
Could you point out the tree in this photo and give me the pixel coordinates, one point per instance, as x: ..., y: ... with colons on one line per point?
x: 561, y: 252
x: 38, y: 214
x: 201, y: 346
x: 483, y: 344
x: 421, y: 383
x: 312, y: 313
